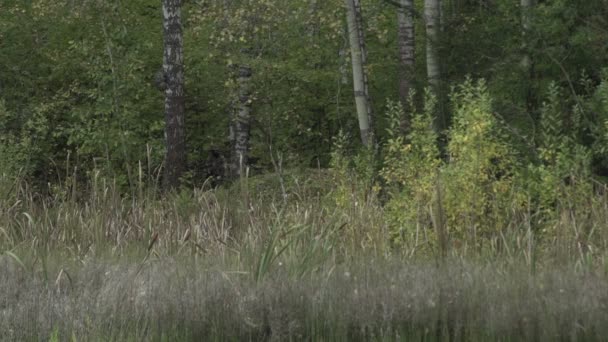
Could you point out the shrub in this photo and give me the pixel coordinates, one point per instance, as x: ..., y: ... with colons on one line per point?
x: 560, y: 183
x: 478, y: 177
x: 467, y: 194
x: 409, y: 172
x: 354, y: 176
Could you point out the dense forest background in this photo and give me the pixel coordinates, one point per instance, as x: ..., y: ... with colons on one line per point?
x: 78, y: 79
x: 464, y: 113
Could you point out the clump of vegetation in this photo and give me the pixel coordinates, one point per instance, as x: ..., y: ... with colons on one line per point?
x: 478, y: 178
x: 465, y: 196
x: 410, y: 172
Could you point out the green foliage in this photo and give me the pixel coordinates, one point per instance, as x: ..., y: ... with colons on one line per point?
x: 410, y: 170
x: 597, y: 122
x: 472, y: 189
x: 562, y: 180
x: 483, y: 184
x: 478, y: 177
x: 84, y: 89
x: 551, y: 125
x: 14, y: 150
x: 354, y: 176
x: 354, y: 196
x: 82, y: 107
x: 55, y: 337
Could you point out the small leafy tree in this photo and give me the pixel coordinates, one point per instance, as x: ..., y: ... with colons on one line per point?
x: 478, y: 177
x: 467, y: 195
x: 561, y: 182
x: 409, y: 171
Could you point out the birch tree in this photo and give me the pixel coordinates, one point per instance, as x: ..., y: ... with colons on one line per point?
x: 245, y: 34
x: 360, y: 83
x: 406, y: 41
x: 431, y: 16
x: 173, y: 72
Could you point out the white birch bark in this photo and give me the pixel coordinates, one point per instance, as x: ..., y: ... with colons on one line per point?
x: 358, y: 66
x: 362, y: 46
x: 431, y: 16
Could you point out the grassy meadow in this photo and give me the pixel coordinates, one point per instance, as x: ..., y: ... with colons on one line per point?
x: 275, y: 258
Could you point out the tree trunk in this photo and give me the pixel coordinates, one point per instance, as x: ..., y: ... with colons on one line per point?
x: 526, y: 7
x: 173, y: 69
x: 362, y: 46
x: 241, y: 122
x: 356, y: 39
x: 527, y: 64
x: 406, y: 40
x: 431, y: 15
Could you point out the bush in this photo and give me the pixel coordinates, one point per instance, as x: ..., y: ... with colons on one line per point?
x: 409, y: 172
x: 478, y: 177
x: 468, y: 193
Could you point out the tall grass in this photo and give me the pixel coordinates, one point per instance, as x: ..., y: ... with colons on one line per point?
x: 248, y: 263
x: 371, y: 300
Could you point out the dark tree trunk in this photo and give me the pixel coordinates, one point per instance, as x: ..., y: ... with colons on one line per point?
x: 173, y: 69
